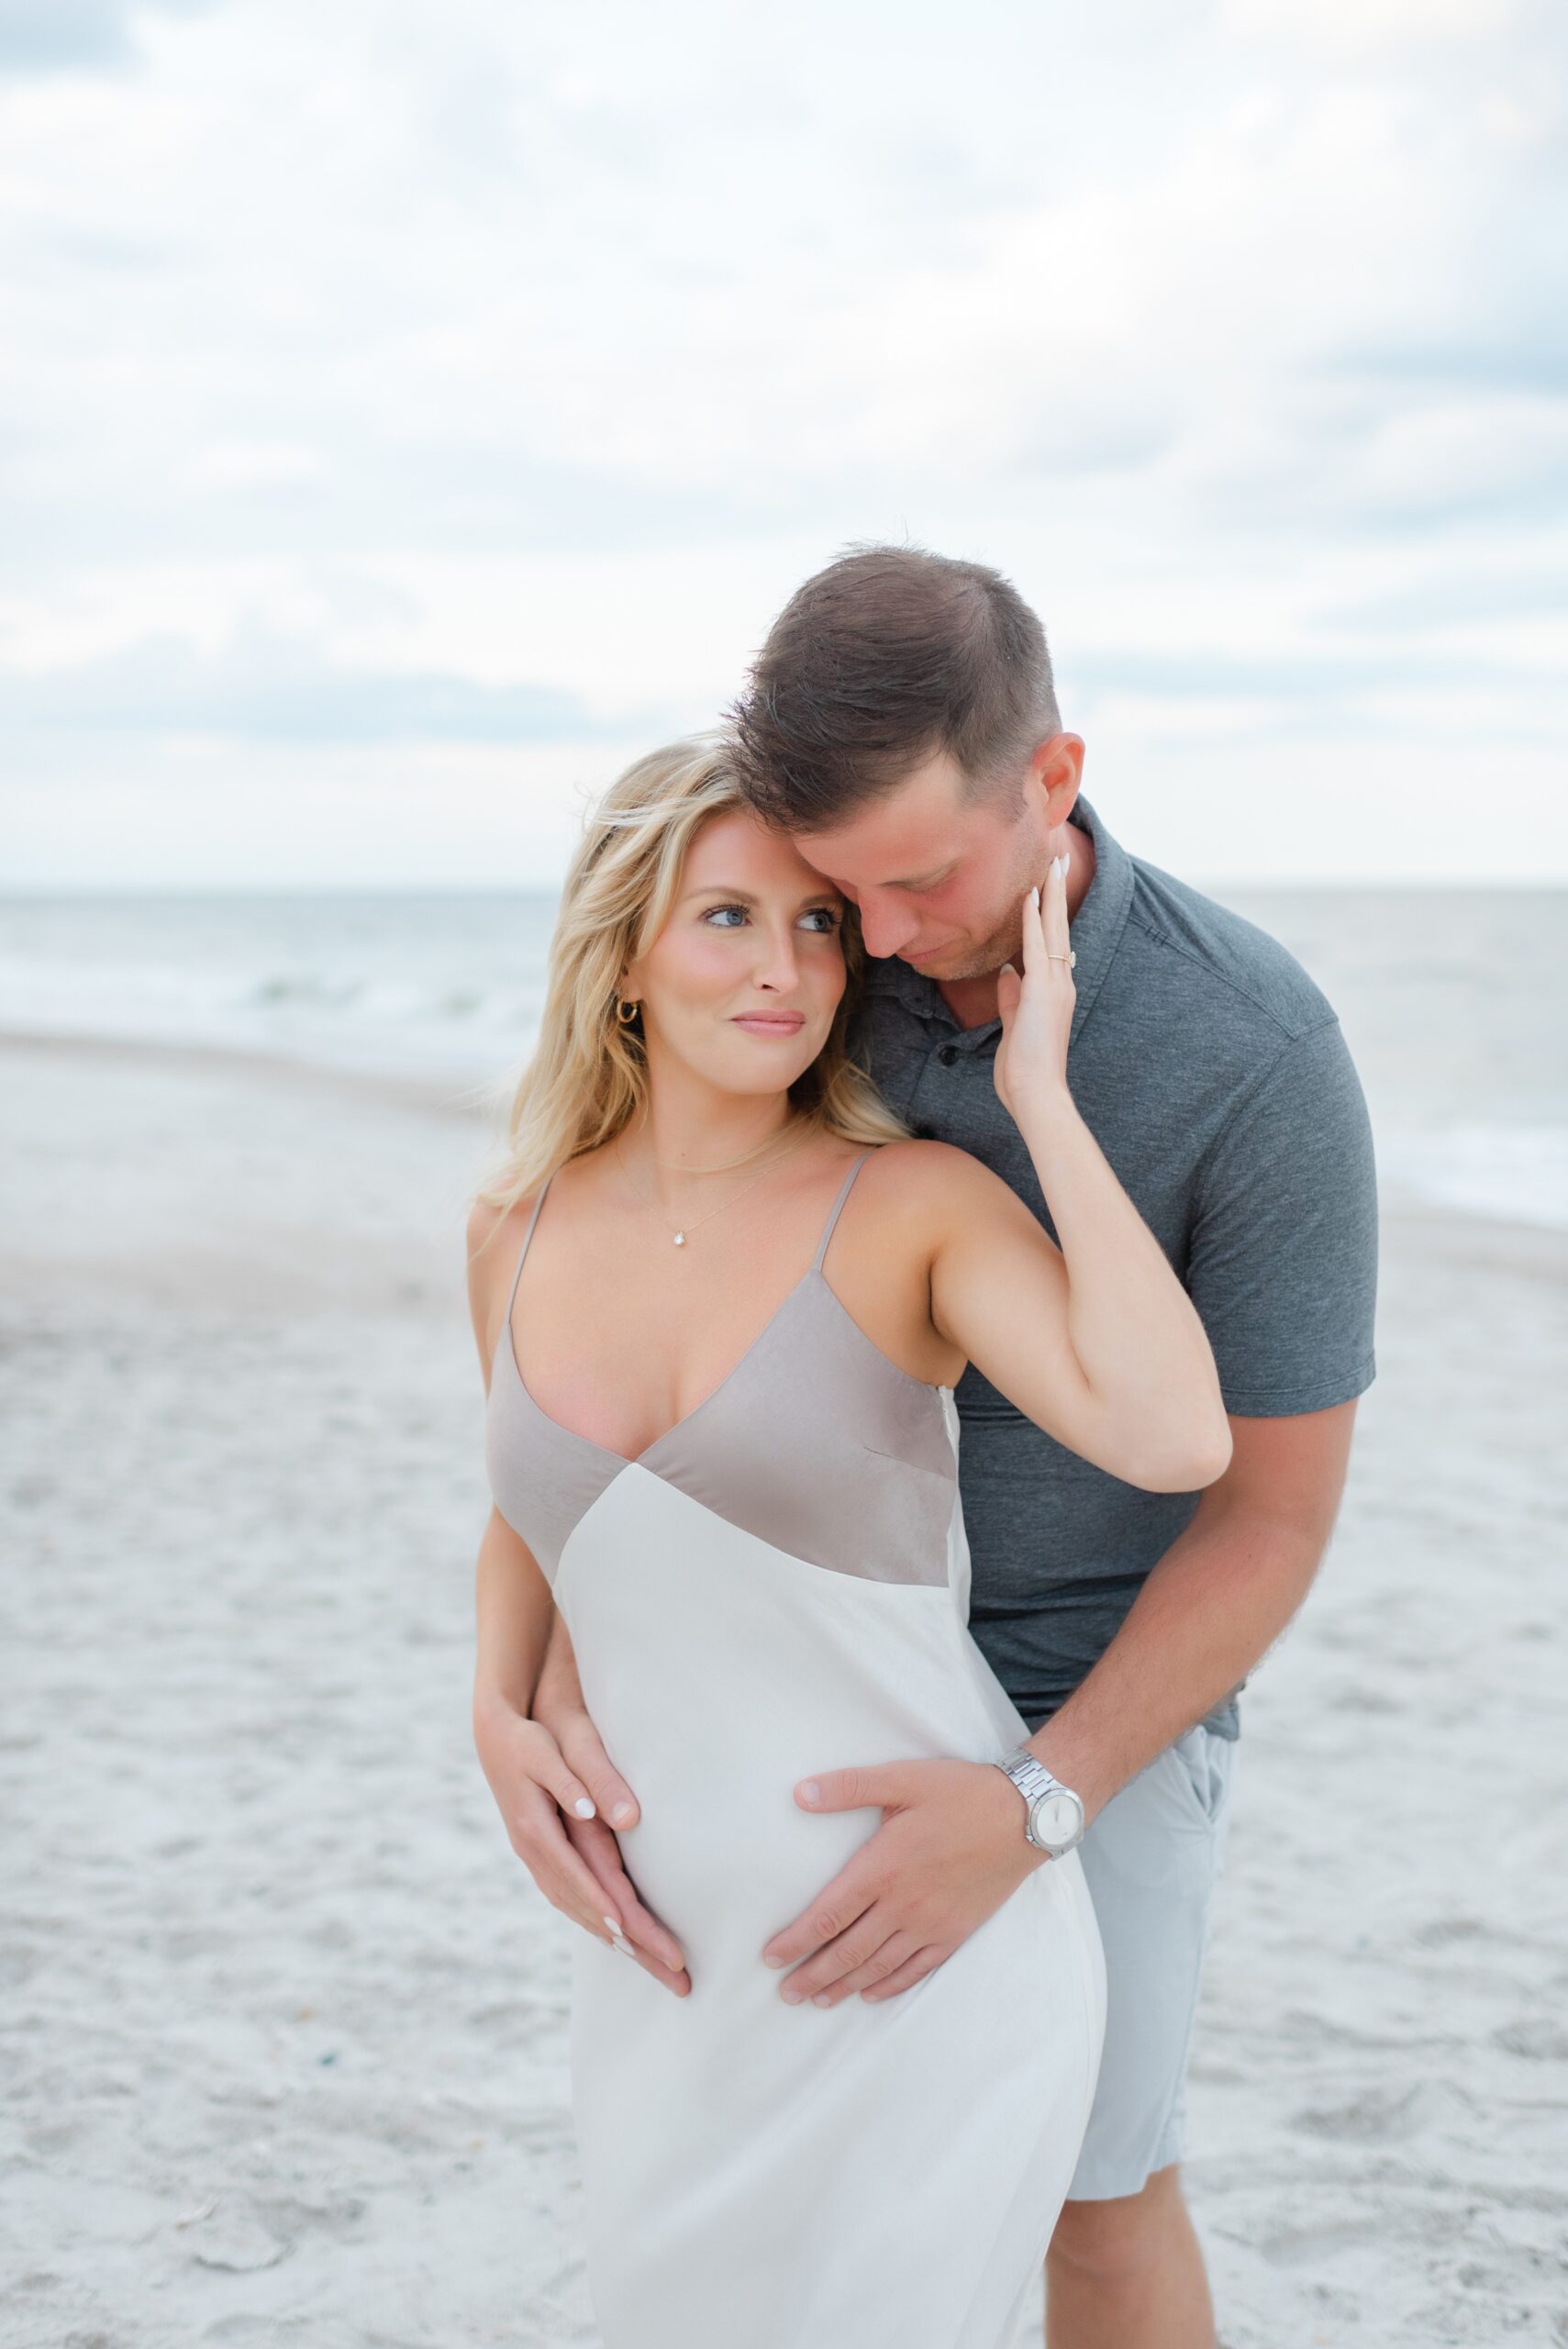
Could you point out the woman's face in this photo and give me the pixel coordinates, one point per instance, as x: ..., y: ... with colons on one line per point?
x: 742, y: 982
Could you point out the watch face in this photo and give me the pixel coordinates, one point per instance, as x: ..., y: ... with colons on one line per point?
x: 1057, y: 1817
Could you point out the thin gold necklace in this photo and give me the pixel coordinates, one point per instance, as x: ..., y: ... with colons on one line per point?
x: 680, y: 1237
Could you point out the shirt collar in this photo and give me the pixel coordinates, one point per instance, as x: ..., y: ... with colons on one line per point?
x: 1096, y: 932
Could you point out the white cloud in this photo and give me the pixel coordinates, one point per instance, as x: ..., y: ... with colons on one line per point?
x: 495, y: 353
x: 253, y: 464
x: 1359, y: 28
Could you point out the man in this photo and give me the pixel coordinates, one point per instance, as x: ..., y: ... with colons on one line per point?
x: 901, y: 723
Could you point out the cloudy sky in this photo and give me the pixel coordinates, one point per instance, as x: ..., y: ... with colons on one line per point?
x: 407, y: 412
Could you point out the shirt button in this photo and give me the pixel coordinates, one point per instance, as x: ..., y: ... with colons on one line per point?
x: 947, y: 1054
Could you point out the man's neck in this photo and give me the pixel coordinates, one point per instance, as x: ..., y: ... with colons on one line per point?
x: 973, y: 1002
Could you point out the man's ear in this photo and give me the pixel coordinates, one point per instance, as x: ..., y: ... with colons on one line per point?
x: 1057, y: 772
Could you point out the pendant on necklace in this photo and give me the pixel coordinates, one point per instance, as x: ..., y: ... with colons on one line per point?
x: 680, y: 1239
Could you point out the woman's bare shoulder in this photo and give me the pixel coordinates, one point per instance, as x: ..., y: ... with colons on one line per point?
x: 927, y: 1174
x: 495, y: 1233
x: 485, y: 1218
x: 492, y: 1225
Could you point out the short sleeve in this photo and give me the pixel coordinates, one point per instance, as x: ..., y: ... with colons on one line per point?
x: 1282, y: 1261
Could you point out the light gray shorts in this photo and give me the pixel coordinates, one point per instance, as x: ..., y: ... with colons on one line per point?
x: 1151, y: 1858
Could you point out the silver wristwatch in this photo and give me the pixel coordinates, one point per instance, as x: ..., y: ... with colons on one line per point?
x: 1053, y: 1814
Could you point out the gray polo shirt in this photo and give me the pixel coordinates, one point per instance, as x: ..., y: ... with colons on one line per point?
x: 1212, y: 1072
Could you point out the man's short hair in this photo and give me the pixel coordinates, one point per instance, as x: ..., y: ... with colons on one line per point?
x: 888, y: 657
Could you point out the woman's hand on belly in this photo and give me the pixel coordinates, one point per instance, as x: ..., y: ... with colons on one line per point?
x: 949, y: 1851
x: 574, y: 1861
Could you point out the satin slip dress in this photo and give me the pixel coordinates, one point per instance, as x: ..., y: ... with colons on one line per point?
x: 779, y: 1584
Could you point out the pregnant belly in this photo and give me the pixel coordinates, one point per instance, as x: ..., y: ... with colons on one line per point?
x: 722, y: 1845
x: 717, y: 1683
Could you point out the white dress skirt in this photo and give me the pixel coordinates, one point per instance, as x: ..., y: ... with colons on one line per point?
x: 779, y: 1586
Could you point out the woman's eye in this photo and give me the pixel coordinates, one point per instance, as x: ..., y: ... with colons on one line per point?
x: 823, y: 915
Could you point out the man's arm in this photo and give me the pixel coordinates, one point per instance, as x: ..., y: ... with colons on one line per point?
x: 1282, y: 1266
x: 1212, y: 1606
x: 950, y: 1846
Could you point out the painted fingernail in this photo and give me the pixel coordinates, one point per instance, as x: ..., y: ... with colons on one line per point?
x: 614, y: 1923
x: 622, y: 1812
x: 1034, y: 896
x: 584, y: 1807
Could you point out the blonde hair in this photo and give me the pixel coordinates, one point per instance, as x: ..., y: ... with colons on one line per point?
x: 588, y: 1074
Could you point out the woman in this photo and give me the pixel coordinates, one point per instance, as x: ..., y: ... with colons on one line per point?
x: 721, y: 1300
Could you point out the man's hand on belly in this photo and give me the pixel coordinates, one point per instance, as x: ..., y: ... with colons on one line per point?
x: 950, y: 1850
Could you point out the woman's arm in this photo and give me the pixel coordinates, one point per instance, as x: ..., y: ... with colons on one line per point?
x: 535, y: 1787
x: 1095, y: 1341
x: 513, y: 1604
x: 512, y: 1607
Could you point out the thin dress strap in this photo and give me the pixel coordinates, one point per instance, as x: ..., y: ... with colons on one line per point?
x: 837, y: 1210
x: 523, y: 1251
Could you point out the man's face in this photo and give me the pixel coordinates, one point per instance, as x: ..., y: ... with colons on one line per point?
x: 942, y: 882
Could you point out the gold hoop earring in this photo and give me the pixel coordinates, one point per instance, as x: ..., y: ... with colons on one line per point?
x: 627, y: 1012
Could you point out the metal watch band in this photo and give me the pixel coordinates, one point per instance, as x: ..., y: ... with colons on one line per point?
x: 1028, y: 1773
x: 1032, y: 1779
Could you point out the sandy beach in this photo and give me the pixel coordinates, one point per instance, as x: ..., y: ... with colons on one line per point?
x: 284, y: 2022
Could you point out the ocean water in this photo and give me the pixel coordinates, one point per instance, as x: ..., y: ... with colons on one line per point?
x: 1455, y: 1002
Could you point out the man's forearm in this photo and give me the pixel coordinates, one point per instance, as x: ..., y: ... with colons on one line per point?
x: 1211, y: 1610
